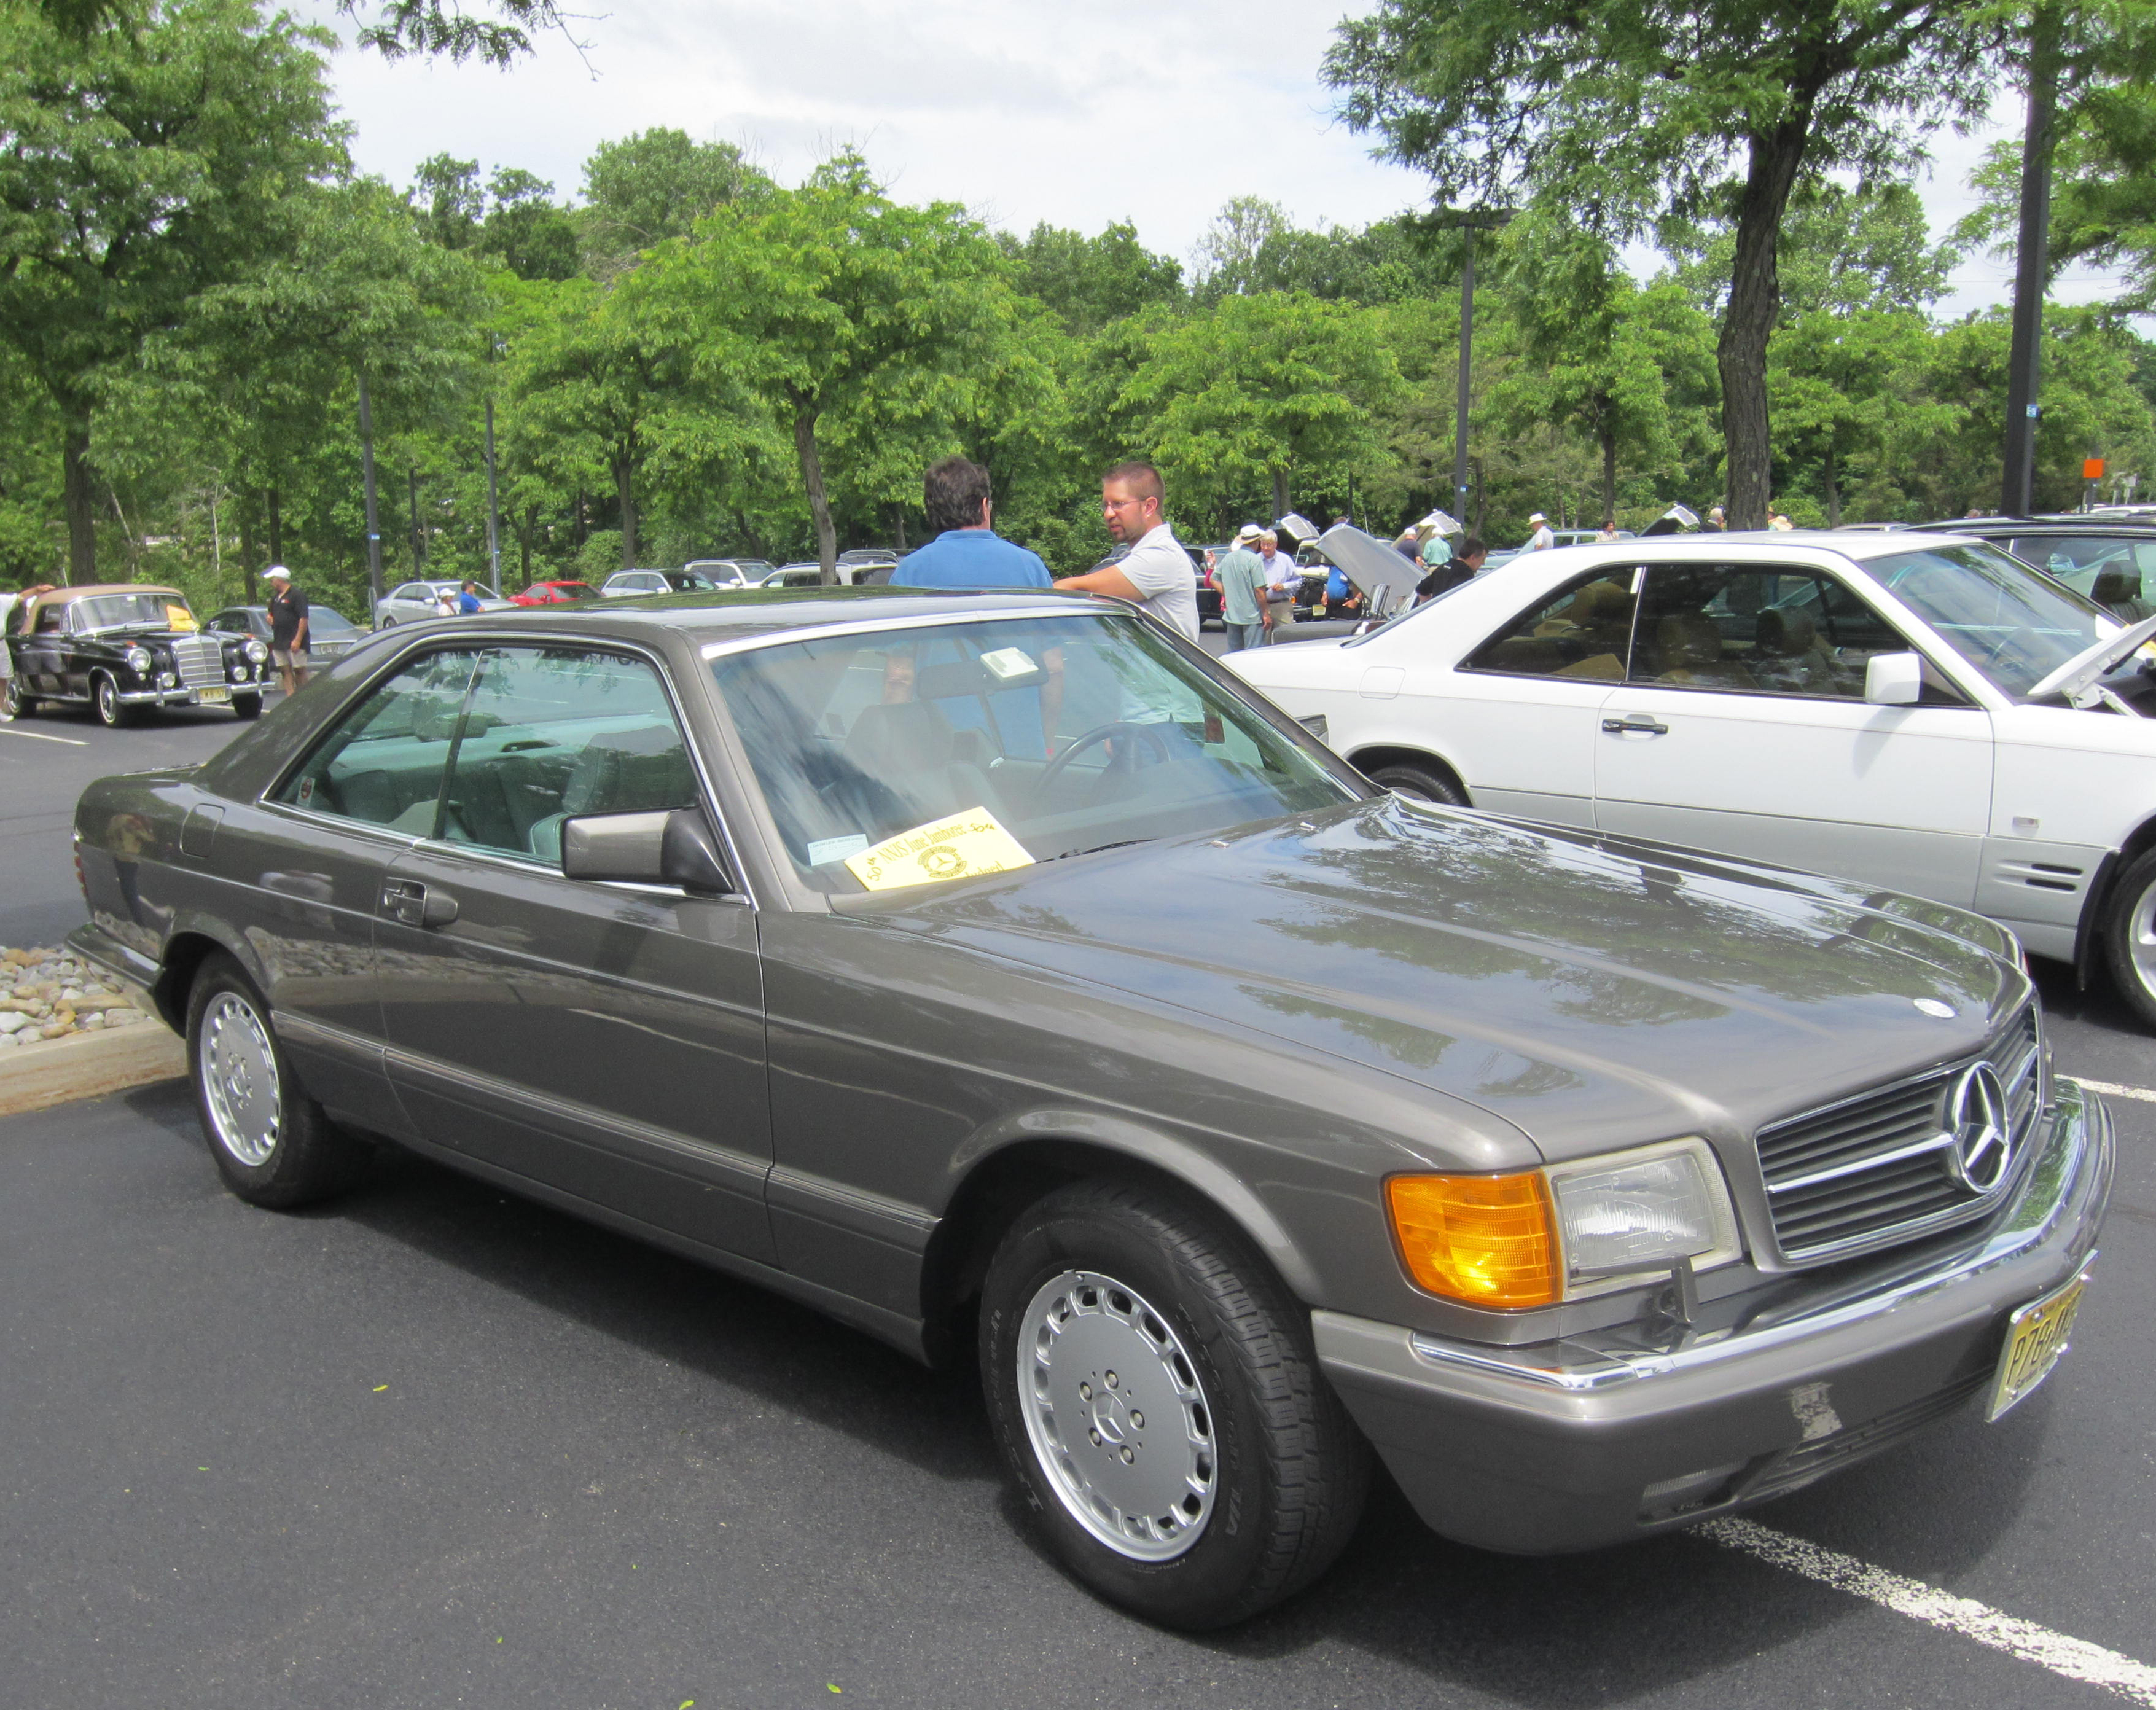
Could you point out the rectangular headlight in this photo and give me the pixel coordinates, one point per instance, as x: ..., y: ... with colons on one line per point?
x: 1638, y: 1212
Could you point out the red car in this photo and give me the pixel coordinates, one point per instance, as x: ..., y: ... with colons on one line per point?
x: 554, y: 593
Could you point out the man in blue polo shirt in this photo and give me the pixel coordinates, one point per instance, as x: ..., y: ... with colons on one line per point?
x: 967, y: 552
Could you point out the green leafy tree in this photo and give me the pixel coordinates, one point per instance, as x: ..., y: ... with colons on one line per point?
x: 149, y: 163
x: 1601, y: 349
x: 1631, y: 116
x: 1261, y: 393
x: 655, y: 185
x: 1842, y: 385
x: 1842, y: 249
x: 832, y: 300
x: 1091, y: 281
x: 533, y: 237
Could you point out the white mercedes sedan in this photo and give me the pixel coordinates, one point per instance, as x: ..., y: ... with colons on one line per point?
x: 1917, y: 711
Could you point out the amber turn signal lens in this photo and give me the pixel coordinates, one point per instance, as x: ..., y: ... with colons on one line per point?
x: 1488, y: 1240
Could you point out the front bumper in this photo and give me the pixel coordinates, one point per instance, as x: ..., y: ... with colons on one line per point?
x: 1573, y: 1444
x: 183, y: 695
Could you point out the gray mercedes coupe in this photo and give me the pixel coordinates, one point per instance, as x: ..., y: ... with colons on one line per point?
x: 996, y: 974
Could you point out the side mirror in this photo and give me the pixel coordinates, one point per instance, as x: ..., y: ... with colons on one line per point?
x: 669, y: 846
x: 1894, y: 679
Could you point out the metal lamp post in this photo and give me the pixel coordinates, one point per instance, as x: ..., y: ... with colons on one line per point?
x: 1468, y: 221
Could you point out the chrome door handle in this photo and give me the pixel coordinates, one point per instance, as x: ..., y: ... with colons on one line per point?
x: 1644, y: 724
x: 416, y: 906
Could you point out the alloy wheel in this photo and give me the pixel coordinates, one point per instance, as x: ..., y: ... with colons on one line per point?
x: 1116, y: 1415
x: 240, y: 1079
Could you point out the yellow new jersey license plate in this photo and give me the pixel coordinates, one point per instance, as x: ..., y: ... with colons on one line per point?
x: 2035, y: 1337
x: 213, y: 698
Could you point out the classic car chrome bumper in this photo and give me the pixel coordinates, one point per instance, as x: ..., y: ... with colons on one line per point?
x: 1571, y: 1445
x: 184, y: 696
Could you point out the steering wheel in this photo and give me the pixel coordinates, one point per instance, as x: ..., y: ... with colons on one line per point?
x: 1092, y: 738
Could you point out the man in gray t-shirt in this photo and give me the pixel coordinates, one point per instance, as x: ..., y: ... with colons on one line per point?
x: 1156, y: 573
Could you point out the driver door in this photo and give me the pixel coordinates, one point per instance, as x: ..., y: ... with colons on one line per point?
x: 603, y: 1040
x: 1742, y: 727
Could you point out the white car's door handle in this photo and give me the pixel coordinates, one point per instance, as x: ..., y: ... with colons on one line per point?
x: 1644, y: 724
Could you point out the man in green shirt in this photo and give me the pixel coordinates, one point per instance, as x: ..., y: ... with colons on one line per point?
x: 1243, y: 607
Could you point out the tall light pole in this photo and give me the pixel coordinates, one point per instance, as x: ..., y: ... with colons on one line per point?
x: 1467, y: 221
x: 373, y: 521
x: 2024, y: 363
x: 493, y: 505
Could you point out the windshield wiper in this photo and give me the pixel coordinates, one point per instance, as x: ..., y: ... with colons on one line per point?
x: 1120, y: 843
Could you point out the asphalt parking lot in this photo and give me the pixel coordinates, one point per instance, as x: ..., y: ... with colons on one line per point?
x: 435, y: 1447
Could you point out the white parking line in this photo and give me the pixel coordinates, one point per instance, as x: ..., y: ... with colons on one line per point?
x: 2076, y: 1659
x: 2146, y: 1095
x: 8, y: 730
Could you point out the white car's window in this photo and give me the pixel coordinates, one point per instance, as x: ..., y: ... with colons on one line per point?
x: 412, y: 591
x: 551, y: 732
x: 382, y: 763
x: 1766, y: 628
x: 2014, y: 626
x: 856, y: 738
x: 1584, y: 630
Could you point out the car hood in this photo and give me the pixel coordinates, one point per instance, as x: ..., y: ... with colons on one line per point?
x: 1594, y: 992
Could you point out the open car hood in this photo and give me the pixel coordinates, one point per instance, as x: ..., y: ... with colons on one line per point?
x: 2092, y: 664
x: 1366, y: 561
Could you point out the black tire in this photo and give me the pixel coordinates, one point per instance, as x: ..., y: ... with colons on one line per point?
x: 1288, y: 1470
x: 273, y: 1144
x: 1425, y: 783
x: 112, y: 712
x: 14, y: 703
x: 2129, y: 938
x: 246, y: 707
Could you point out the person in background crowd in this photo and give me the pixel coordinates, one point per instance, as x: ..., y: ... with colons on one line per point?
x: 1156, y: 573
x: 1243, y: 607
x: 966, y: 551
x: 1607, y: 532
x: 1283, y: 582
x: 287, y: 628
x: 468, y: 601
x: 1775, y: 520
x: 1464, y: 565
x: 1433, y: 549
x: 10, y: 604
x: 1342, y: 599
x: 1541, y: 540
x: 22, y: 617
x: 1715, y: 520
x: 1406, y: 547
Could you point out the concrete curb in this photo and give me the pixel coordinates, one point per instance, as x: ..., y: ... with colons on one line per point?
x: 55, y: 1072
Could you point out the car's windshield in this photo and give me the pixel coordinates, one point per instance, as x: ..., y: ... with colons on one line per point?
x: 115, y: 611
x: 688, y: 581
x: 2013, y: 625
x: 1069, y: 734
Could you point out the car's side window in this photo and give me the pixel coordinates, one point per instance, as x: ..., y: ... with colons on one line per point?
x: 551, y: 732
x: 382, y: 763
x: 1764, y: 628
x: 1584, y: 630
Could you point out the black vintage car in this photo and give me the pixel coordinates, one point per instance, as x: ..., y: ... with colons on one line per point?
x: 119, y: 649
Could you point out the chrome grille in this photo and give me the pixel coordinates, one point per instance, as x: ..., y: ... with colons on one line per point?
x: 1873, y: 1170
x: 199, y: 659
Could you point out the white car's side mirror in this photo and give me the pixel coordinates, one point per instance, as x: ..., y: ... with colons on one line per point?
x: 1894, y: 679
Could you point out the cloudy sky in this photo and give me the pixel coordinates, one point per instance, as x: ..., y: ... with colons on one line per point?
x: 1022, y: 110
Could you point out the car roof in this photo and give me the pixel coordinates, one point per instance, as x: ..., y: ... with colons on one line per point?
x: 1858, y: 546
x: 62, y: 596
x: 2116, y: 527
x: 772, y: 611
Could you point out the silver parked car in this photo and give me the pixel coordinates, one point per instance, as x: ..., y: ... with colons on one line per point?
x: 331, y: 635
x: 416, y: 602
x: 624, y: 584
x: 996, y: 969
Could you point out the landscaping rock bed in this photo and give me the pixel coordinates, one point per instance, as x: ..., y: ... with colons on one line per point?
x: 51, y: 994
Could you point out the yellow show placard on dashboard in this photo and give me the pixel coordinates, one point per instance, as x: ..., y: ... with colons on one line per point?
x: 961, y: 847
